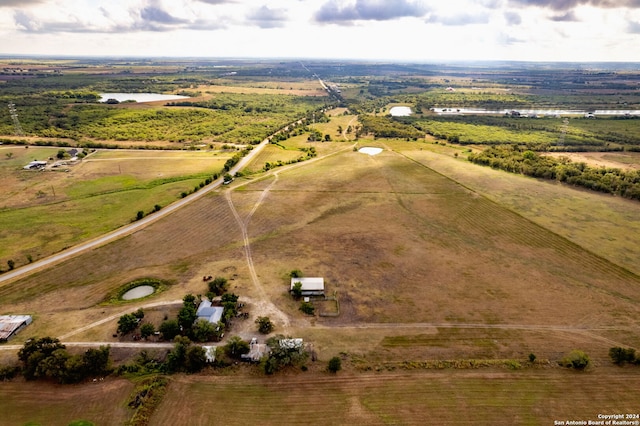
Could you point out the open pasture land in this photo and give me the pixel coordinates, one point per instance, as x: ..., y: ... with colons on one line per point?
x: 602, y: 224
x: 201, y: 238
x: 45, y: 211
x: 298, y: 88
x: 400, y: 243
x: 103, y: 403
x: 414, y: 398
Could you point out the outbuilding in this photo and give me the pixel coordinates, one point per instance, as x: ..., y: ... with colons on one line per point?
x: 10, y: 325
x: 311, y: 286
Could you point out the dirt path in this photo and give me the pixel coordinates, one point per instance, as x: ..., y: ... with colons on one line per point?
x: 264, y: 306
x: 118, y: 315
x: 344, y: 131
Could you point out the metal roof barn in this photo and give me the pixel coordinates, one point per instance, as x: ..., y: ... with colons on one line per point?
x: 12, y: 324
x: 213, y: 314
x: 311, y: 286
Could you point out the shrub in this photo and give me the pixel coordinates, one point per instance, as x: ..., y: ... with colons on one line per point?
x: 265, y: 326
x: 575, y: 359
x: 621, y: 355
x: 307, y: 308
x: 334, y: 365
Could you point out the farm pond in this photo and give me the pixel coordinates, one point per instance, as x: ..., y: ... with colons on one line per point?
x: 139, y: 97
x: 400, y: 111
x: 138, y: 292
x: 370, y: 150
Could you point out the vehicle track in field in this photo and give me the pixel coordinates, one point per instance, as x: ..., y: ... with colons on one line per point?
x: 265, y: 306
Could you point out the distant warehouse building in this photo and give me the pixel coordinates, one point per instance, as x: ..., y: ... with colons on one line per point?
x: 12, y: 324
x: 311, y: 286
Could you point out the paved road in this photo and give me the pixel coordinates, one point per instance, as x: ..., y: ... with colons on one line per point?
x: 127, y: 229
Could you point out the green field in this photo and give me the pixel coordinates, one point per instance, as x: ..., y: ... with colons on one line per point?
x: 47, y: 211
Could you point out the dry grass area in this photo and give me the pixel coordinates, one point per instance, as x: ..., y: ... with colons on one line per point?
x: 432, y: 258
x: 619, y: 160
x: 602, y: 224
x: 399, y: 243
x: 103, y: 403
x: 412, y: 398
x: 264, y: 88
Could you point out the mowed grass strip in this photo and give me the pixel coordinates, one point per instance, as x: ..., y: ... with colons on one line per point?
x: 451, y: 398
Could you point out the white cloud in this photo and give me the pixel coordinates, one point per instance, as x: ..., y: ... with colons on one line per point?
x: 396, y: 29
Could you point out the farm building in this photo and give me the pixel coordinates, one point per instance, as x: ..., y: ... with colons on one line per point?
x: 12, y: 324
x: 205, y: 311
x: 35, y: 164
x: 256, y: 351
x: 311, y: 286
x: 297, y: 344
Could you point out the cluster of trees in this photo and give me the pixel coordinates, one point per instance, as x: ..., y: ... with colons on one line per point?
x: 237, y: 118
x: 283, y: 355
x: 129, y: 322
x: 625, y: 183
x: 575, y: 359
x: 47, y: 358
x: 621, y: 356
x: 388, y: 127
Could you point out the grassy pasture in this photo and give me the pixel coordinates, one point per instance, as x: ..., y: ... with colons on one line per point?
x: 302, y: 88
x: 44, y: 212
x: 401, y: 243
x: 444, y: 398
x: 103, y: 403
x: 600, y: 223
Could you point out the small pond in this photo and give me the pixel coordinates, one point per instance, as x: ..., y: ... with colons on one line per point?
x: 370, y: 150
x: 139, y: 97
x: 400, y: 111
x: 138, y: 292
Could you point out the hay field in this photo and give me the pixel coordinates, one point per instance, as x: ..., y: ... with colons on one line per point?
x: 103, y: 403
x: 602, y: 224
x: 46, y: 211
x: 411, y: 398
x: 302, y: 88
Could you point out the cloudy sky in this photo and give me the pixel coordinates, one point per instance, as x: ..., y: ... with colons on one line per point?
x: 417, y: 30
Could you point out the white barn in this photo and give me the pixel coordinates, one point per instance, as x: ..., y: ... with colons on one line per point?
x: 311, y: 286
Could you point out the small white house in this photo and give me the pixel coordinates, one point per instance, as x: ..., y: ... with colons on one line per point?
x: 311, y: 286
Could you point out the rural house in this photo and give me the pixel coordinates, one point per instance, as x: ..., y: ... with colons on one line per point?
x: 311, y: 286
x: 213, y: 314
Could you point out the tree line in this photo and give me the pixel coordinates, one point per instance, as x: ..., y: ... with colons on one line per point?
x: 625, y: 183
